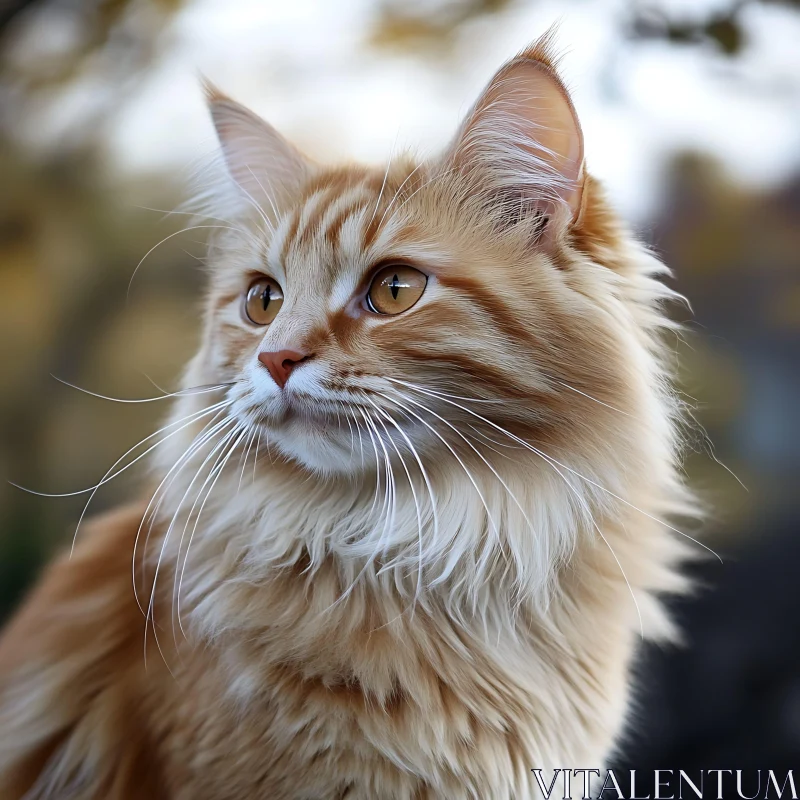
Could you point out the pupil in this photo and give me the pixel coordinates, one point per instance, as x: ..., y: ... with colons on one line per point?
x: 395, y: 287
x: 265, y: 296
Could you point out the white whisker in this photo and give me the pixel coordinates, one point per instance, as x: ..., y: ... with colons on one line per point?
x: 151, y: 605
x: 255, y: 459
x: 166, y: 239
x: 220, y: 451
x: 197, y: 519
x: 193, y: 418
x: 411, y: 486
x: 397, y: 193
x: 246, y: 455
x: 476, y: 451
x: 463, y: 466
x: 107, y: 478
x: 199, y: 441
x: 589, y: 397
x: 387, y: 510
x: 166, y: 396
x: 196, y: 216
x: 564, y: 466
x: 267, y: 194
x: 377, y: 464
x: 385, y: 176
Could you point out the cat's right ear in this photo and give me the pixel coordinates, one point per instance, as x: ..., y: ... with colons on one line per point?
x: 258, y: 158
x: 521, y: 145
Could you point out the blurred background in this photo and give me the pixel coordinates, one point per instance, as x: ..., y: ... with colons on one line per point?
x: 691, y: 112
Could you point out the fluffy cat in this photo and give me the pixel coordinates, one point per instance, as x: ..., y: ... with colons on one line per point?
x: 408, y: 516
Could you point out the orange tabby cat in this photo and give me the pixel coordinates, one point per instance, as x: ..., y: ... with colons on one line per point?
x: 407, y: 518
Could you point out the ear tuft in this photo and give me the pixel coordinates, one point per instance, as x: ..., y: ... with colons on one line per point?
x: 543, y: 51
x: 211, y: 91
x: 521, y: 145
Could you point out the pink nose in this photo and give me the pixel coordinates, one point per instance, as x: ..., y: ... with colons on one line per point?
x: 280, y: 363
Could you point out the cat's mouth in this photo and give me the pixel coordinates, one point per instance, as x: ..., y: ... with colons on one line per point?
x: 316, y: 433
x: 330, y: 428
x: 292, y: 408
x: 322, y: 416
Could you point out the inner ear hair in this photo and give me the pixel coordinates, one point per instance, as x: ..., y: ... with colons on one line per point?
x: 511, y: 209
x: 521, y: 146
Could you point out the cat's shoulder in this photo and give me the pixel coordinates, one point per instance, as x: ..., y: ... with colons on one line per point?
x: 70, y: 662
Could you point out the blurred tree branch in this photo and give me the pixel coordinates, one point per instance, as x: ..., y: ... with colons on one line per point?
x: 51, y: 47
x: 9, y: 9
x: 125, y: 32
x: 431, y: 26
x: 725, y: 29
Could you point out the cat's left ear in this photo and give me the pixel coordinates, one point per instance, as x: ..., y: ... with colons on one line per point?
x: 521, y: 145
x: 258, y: 158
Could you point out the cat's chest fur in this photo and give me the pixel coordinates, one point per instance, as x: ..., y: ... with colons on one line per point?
x: 369, y: 696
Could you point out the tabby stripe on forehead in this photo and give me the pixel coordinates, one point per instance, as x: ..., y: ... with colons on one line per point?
x: 291, y: 230
x: 312, y: 214
x: 333, y: 230
x: 350, y: 206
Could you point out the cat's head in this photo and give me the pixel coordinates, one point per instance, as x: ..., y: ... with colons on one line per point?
x: 447, y: 312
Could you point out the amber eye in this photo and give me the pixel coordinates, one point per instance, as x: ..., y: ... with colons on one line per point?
x: 395, y: 289
x: 263, y: 301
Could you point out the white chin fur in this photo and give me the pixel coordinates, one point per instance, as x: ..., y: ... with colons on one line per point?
x: 327, y: 449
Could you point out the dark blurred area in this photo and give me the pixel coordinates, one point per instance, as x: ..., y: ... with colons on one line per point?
x: 730, y: 696
x: 74, y: 224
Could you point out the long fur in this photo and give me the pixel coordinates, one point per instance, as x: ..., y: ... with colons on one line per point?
x: 422, y: 569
